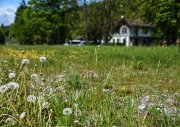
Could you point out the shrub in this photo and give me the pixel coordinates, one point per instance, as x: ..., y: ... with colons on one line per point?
x: 2, y: 38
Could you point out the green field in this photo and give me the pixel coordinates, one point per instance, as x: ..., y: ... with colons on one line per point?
x: 90, y: 86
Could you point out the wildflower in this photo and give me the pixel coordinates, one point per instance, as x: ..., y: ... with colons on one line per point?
x: 45, y: 105
x: 42, y: 59
x: 86, y: 123
x: 76, y: 121
x: 25, y: 61
x: 34, y: 76
x: 13, y: 85
x: 31, y: 98
x: 67, y: 111
x: 10, y: 121
x: 23, y: 114
x: 60, y: 78
x: 77, y: 113
x: 75, y: 105
x: 12, y: 75
x: 141, y: 107
x: 3, y: 88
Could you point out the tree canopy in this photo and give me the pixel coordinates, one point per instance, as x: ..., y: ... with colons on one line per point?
x: 58, y: 21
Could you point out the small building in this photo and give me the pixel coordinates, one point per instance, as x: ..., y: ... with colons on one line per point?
x: 132, y: 32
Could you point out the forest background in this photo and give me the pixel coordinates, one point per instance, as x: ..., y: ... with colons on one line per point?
x: 58, y: 21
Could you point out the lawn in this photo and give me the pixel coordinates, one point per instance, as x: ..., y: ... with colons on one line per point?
x: 89, y: 86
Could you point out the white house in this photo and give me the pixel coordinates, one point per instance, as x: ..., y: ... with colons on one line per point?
x: 132, y: 32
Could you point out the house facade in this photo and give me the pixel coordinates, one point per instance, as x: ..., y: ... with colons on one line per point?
x: 132, y: 32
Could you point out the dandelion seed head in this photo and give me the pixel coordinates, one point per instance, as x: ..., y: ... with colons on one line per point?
x: 10, y: 121
x: 67, y: 111
x: 3, y: 88
x: 25, y: 61
x: 42, y: 59
x: 77, y: 112
x: 22, y: 116
x: 13, y: 85
x: 34, y: 76
x: 11, y: 75
x: 142, y: 107
x: 31, y: 98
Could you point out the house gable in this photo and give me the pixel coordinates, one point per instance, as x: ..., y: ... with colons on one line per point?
x: 130, y: 30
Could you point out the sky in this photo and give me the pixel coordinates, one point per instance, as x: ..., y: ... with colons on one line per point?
x: 7, y: 11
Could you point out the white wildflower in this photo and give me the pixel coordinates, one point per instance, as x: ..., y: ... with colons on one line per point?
x: 34, y: 76
x: 75, y: 105
x: 31, y: 98
x: 76, y: 121
x: 12, y: 75
x: 141, y: 107
x: 25, y: 61
x: 60, y: 78
x: 22, y: 116
x: 42, y: 59
x: 86, y: 123
x: 67, y: 111
x: 45, y: 105
x: 13, y: 85
x: 3, y: 88
x: 10, y: 121
x: 77, y: 113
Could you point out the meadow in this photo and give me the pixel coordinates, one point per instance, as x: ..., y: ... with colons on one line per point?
x: 89, y: 86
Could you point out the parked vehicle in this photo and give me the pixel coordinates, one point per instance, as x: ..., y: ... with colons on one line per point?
x: 76, y: 42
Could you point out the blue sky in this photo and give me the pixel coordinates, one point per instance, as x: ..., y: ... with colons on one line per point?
x: 7, y: 11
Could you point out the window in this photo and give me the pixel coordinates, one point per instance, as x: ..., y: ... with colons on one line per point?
x: 113, y: 40
x: 117, y: 40
x: 144, y: 30
x: 124, y: 31
x: 136, y: 31
x: 124, y: 40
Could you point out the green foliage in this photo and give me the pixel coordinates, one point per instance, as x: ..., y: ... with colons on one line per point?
x: 164, y: 14
x: 75, y: 81
x: 2, y: 37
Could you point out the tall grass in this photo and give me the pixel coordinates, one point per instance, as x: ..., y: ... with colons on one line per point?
x: 90, y: 86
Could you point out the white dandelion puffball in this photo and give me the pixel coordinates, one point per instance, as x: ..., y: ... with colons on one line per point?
x: 77, y: 113
x: 25, y: 61
x: 3, y: 88
x: 31, y: 98
x: 22, y: 116
x: 141, y: 107
x: 13, y: 85
x: 34, y: 76
x: 10, y: 121
x: 42, y: 59
x: 67, y: 111
x: 12, y: 75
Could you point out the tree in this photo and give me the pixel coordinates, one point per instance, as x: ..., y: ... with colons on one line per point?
x: 19, y: 28
x: 53, y: 19
x: 2, y: 37
x: 164, y: 14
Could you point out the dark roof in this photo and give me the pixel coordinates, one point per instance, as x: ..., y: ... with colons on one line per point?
x: 134, y: 22
x: 137, y: 22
